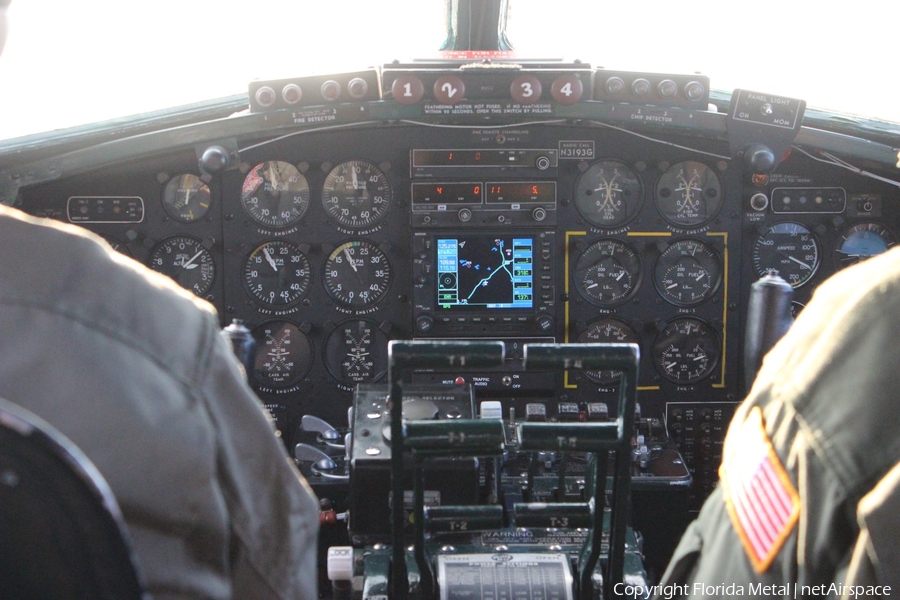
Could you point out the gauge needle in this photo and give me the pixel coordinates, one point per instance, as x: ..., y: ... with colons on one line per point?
x: 800, y: 262
x: 269, y: 259
x: 350, y: 259
x: 190, y: 264
x: 700, y: 357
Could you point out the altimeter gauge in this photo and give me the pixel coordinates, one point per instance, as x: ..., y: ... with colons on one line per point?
x: 186, y: 260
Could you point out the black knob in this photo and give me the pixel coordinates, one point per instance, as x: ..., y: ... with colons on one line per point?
x: 214, y: 160
x: 760, y: 158
x: 424, y: 323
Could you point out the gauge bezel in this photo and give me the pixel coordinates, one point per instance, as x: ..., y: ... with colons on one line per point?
x: 880, y: 230
x: 204, y: 253
x: 338, y: 256
x: 170, y: 201
x: 355, y: 217
x: 663, y: 265
x: 295, y: 210
x: 710, y: 338
x: 761, y: 269
x: 608, y: 376
x: 305, y: 281
x: 631, y: 206
x: 580, y: 271
x: 333, y: 347
x: 664, y: 195
x: 301, y: 373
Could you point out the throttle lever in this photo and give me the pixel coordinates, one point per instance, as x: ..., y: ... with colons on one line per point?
x: 322, y: 464
x: 327, y: 434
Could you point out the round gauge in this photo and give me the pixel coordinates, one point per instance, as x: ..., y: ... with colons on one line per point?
x: 608, y: 194
x: 356, y: 352
x: 789, y: 248
x: 607, y: 331
x: 356, y: 194
x: 686, y: 351
x: 277, y: 273
x: 689, y: 194
x: 186, y: 198
x: 688, y: 272
x: 283, y: 354
x: 607, y: 273
x: 184, y: 259
x: 275, y: 194
x: 357, y: 274
x: 862, y: 241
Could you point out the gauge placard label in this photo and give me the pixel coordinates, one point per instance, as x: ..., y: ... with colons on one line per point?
x: 105, y: 209
x: 581, y: 150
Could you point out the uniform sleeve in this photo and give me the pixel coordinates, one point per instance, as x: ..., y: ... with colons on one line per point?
x: 876, y: 557
x: 272, y: 512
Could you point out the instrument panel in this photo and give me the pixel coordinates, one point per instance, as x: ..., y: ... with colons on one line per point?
x: 329, y: 243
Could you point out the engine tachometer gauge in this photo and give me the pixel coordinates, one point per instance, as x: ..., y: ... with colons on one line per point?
x: 609, y: 194
x: 789, y: 248
x: 356, y: 352
x: 862, y: 241
x: 275, y: 194
x: 686, y: 351
x: 688, y: 272
x: 283, y: 354
x: 277, y: 273
x: 357, y: 274
x: 186, y: 260
x: 607, y: 330
x: 186, y: 198
x: 607, y: 273
x: 689, y: 194
x: 356, y: 194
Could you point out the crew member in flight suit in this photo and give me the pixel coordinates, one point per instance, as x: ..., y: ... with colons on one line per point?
x: 808, y: 490
x: 133, y: 369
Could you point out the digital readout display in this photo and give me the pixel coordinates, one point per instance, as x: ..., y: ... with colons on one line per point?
x: 446, y: 193
x: 482, y: 158
x: 518, y: 192
x: 485, y: 272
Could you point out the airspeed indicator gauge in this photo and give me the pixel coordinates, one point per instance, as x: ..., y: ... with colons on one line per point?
x: 789, y: 248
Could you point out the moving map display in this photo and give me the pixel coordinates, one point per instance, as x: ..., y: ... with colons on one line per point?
x: 485, y: 272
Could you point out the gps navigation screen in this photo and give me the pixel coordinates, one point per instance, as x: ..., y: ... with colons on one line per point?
x: 485, y: 272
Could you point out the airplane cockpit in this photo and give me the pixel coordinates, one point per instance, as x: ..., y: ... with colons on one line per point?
x: 526, y: 295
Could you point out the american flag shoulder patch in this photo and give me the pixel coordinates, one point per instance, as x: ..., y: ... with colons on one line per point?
x: 761, y: 499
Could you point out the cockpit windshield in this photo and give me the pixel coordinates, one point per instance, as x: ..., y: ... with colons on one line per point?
x: 69, y: 63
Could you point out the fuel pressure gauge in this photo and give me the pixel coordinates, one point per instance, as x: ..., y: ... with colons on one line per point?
x: 686, y: 351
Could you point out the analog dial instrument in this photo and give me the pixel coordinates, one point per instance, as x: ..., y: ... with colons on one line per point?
x: 356, y: 352
x: 686, y: 351
x: 689, y: 194
x: 356, y: 194
x: 283, y: 354
x: 862, y: 241
x: 688, y: 272
x: 186, y: 198
x: 186, y: 260
x: 357, y: 274
x: 275, y: 194
x: 789, y: 248
x: 607, y: 331
x: 277, y: 273
x: 608, y: 194
x: 607, y: 273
